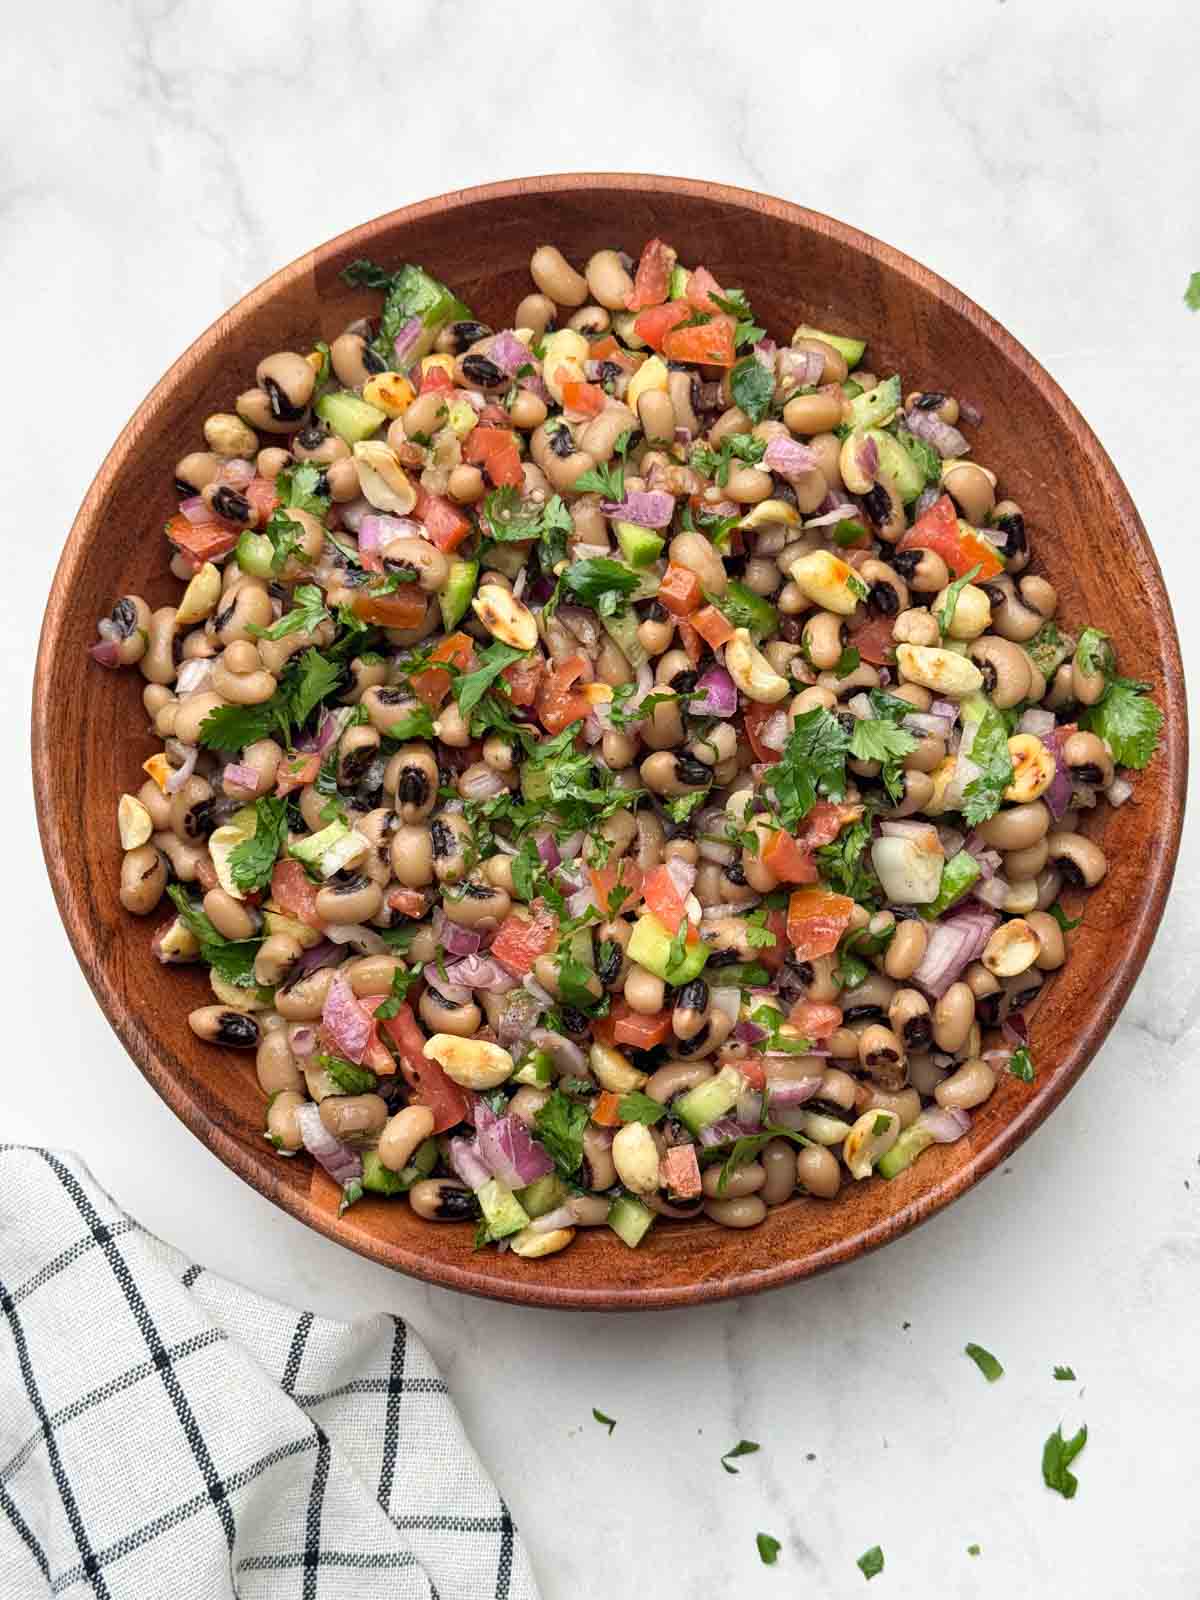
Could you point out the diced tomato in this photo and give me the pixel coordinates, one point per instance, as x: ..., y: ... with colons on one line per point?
x: 261, y: 494
x: 641, y: 1032
x: 203, y: 541
x: 495, y: 450
x: 433, y: 685
x: 788, y: 860
x: 523, y: 679
x: 652, y: 327
x: 653, y: 277
x: 661, y: 895
x: 295, y: 772
x: 710, y: 344
x: 429, y: 1084
x: 702, y: 284
x: 626, y: 874
x: 403, y: 608
x: 445, y: 524
x: 938, y: 530
x: 754, y: 1072
x: 691, y: 641
x: 558, y: 704
x: 585, y: 399
x: 522, y: 939
x: 680, y: 590
x: 606, y: 1112
x: 294, y: 892
x: 755, y: 717
x: 874, y: 641
x: 376, y: 1056
x: 816, y: 1019
x: 772, y: 956
x: 679, y: 1172
x: 816, y: 921
x: 435, y: 377
x: 494, y: 416
x: 824, y: 822
x: 409, y: 902
x: 712, y: 627
x: 601, y: 349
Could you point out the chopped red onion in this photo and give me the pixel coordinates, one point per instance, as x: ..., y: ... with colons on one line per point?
x: 749, y: 1033
x: 683, y: 875
x: 465, y: 1157
x: 532, y: 381
x: 649, y: 508
x: 354, y: 511
x: 792, y: 1091
x: 924, y: 501
x: 970, y: 413
x: 954, y: 942
x: 406, y: 341
x: 944, y: 708
x: 366, y: 941
x: 582, y: 623
x: 944, y: 1126
x: 803, y: 368
x: 342, y: 1164
x: 181, y: 774
x: 565, y: 1053
x: 993, y: 890
x: 749, y: 1108
x: 236, y: 473
x: 570, y: 847
x: 789, y: 457
x: 950, y: 839
x: 1037, y: 721
x: 1015, y: 1029
x: 773, y: 734
x: 727, y: 908
x: 505, y: 1145
x: 593, y: 729
x: 302, y: 1040
x: 922, y: 833
x: 1118, y: 791
x: 927, y: 425
x: 925, y: 723
x: 316, y: 957
x: 547, y: 849
x: 765, y: 353
x: 455, y: 940
x: 517, y: 1018
x: 508, y: 352
x: 582, y: 551
x: 581, y: 901
x: 727, y: 1000
x: 1058, y: 795
x: 717, y: 696
x: 540, y: 994
x: 724, y: 1131
x: 197, y: 510
x: 245, y: 777
x: 346, y: 1021
x: 561, y: 1217
x: 482, y: 785
x: 839, y: 513
x: 194, y: 675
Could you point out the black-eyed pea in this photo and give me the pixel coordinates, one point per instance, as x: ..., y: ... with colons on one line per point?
x: 779, y: 1172
x: 275, y: 958
x: 283, y: 1126
x: 157, y: 664
x: 143, y: 879
x: 643, y: 991
x: 1080, y: 863
x: 263, y: 758
x: 966, y: 1088
x: 953, y: 1015
x: 635, y: 1155
x: 348, y: 898
x: 918, y: 793
x: 254, y: 408
x: 229, y: 436
x: 835, y: 369
x: 1062, y: 688
x: 749, y: 1178
x: 497, y: 870
x: 905, y: 1103
x: 1021, y: 864
x: 1089, y: 759
x: 1051, y: 940
x: 608, y: 281
x: 870, y: 1138
x: 973, y: 488
x: 237, y: 1030
x: 448, y: 1015
x: 882, y: 1056
x: 275, y: 1065
x: 747, y: 1212
x: 402, y: 1134
x: 354, y: 1118
x: 187, y: 861
x: 231, y: 918
x: 155, y: 696
x: 556, y: 279
x: 304, y: 999
x: 818, y: 1172
x: 1016, y: 827
x: 124, y: 633
x: 693, y: 551
x: 824, y: 639
x: 1022, y: 896
x: 1007, y: 675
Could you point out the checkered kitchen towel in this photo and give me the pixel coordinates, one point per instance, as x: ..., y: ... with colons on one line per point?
x: 165, y: 1435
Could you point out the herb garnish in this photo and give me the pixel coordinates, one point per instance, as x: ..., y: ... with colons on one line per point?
x: 744, y: 1447
x: 985, y: 1361
x: 1057, y: 1456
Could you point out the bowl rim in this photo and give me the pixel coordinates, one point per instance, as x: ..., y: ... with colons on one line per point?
x: 1170, y: 768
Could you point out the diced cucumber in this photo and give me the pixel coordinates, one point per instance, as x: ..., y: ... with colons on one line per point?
x: 310, y: 850
x: 850, y: 350
x: 714, y: 1098
x: 508, y: 559
x: 377, y: 1178
x: 821, y: 1129
x: 543, y: 1195
x: 349, y: 415
x: 959, y: 873
x: 630, y: 1220
x: 876, y: 406
x: 679, y: 282
x: 622, y: 630
x: 650, y: 947
x: 904, y: 1152
x: 896, y: 462
x: 537, y: 1069
x: 640, y: 546
x: 456, y: 596
x: 502, y: 1211
x: 255, y: 553
x: 851, y: 389
x: 535, y: 782
x: 742, y: 608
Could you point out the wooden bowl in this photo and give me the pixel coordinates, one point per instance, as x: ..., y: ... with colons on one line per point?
x: 89, y: 729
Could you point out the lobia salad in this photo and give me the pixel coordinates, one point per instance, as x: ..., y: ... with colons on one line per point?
x: 614, y: 766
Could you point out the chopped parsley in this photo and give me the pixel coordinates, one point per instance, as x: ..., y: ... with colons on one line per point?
x: 1191, y: 295
x: 882, y: 741
x: 639, y: 1107
x: 985, y: 1361
x: 846, y: 868
x: 305, y: 615
x: 600, y: 583
x: 1020, y: 1064
x: 681, y: 807
x: 945, y: 616
x: 735, y: 304
x: 402, y: 982
x: 508, y: 518
x: 752, y: 386
x: 297, y: 487
x: 1065, y: 1374
x: 813, y: 763
x: 768, y: 1549
x: 1094, y: 653
x: 847, y: 662
x: 1127, y: 721
x: 252, y: 862
x: 989, y: 752
x: 973, y: 1550
x: 744, y: 1447
x: 1057, y: 1456
x: 716, y: 464
x: 560, y: 1127
x: 470, y: 687
x: 415, y: 724
x: 608, y: 1422
x: 870, y: 1563
x: 606, y: 478
x: 348, y: 1075
x: 1065, y: 922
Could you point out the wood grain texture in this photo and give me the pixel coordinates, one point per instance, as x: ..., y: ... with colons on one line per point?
x: 89, y: 727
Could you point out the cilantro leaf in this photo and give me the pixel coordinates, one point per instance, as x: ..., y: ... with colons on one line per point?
x: 1065, y: 1374
x: 874, y: 740
x: 348, y: 1075
x: 1191, y: 295
x: 231, y: 959
x: 847, y: 662
x: 298, y: 487
x: 1094, y: 653
x: 870, y: 1563
x: 985, y: 1361
x: 735, y: 304
x: 973, y: 1550
x: 252, y: 862
x: 606, y: 479
x: 946, y: 615
x: 744, y: 1447
x: 989, y: 752
x: 681, y: 807
x: 639, y: 1107
x: 1020, y: 1064
x: 1065, y: 922
x: 752, y: 386
x: 813, y: 763
x: 402, y: 982
x: 608, y: 1422
x: 600, y: 583
x: 715, y: 464
x: 843, y: 867
x: 1127, y: 720
x: 315, y: 680
x: 768, y: 1549
x: 560, y: 1125
x: 308, y: 611
x: 469, y: 689
x: 234, y: 727
x: 415, y: 724
x: 1057, y: 1456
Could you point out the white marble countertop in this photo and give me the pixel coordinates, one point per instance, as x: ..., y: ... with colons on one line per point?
x: 163, y: 158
